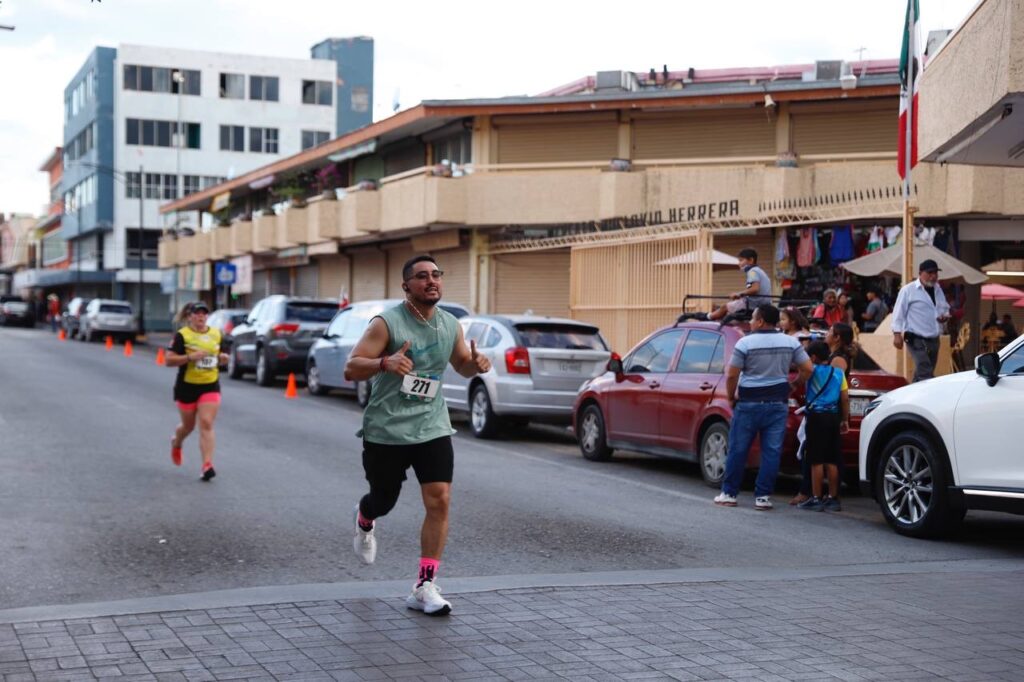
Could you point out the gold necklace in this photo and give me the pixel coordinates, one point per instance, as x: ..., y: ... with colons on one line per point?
x: 416, y: 310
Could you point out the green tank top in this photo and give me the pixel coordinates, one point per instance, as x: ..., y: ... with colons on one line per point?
x: 391, y: 418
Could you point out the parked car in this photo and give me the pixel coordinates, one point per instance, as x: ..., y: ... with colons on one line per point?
x: 71, y: 319
x: 16, y: 310
x: 325, y: 364
x: 667, y: 398
x: 276, y: 336
x: 226, y: 319
x: 538, y: 365
x: 107, y: 317
x: 933, y: 450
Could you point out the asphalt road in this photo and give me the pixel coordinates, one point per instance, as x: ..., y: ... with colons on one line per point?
x: 92, y: 508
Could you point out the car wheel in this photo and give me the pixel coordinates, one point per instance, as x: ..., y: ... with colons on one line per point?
x: 482, y: 420
x: 313, y: 384
x: 264, y: 374
x: 363, y: 393
x: 234, y: 367
x: 911, y: 487
x: 714, y: 448
x: 592, y: 436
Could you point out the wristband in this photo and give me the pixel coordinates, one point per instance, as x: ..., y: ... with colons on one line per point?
x: 384, y: 363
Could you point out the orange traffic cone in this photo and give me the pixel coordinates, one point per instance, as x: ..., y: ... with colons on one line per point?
x: 160, y: 357
x: 128, y: 348
x: 110, y: 342
x: 62, y: 335
x: 290, y: 392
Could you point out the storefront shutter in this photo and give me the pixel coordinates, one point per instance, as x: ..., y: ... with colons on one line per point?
x: 306, y: 281
x: 844, y: 132
x: 333, y: 279
x: 281, y: 281
x: 532, y: 281
x: 705, y: 135
x: 456, y: 266
x: 556, y: 141
x: 397, y: 257
x: 369, y: 271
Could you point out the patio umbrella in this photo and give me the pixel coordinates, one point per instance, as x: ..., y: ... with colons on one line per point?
x: 1019, y: 304
x: 890, y: 259
x: 1000, y: 292
x: 719, y: 260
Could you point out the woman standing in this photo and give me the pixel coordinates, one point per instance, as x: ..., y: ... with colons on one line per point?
x: 841, y: 351
x: 196, y: 352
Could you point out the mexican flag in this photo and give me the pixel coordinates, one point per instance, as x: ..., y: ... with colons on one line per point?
x: 910, y: 80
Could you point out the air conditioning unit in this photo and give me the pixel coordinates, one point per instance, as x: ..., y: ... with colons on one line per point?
x: 828, y: 70
x: 616, y: 80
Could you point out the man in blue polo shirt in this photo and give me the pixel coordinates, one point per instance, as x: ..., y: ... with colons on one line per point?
x: 759, y: 369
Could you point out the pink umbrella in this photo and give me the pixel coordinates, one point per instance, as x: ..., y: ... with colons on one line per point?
x: 1019, y: 304
x: 1000, y: 292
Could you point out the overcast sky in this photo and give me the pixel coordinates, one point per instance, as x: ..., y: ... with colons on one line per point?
x: 425, y: 50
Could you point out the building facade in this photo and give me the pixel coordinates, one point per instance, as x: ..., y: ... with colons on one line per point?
x: 354, y: 79
x: 146, y: 125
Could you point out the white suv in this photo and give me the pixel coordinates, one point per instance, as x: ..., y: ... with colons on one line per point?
x: 932, y: 450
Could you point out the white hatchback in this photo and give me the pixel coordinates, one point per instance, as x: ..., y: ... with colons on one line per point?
x: 932, y: 450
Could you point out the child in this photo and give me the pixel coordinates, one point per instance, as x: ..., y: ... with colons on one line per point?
x: 757, y: 289
x: 827, y: 418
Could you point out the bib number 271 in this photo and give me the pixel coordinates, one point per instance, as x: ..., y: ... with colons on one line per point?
x: 420, y: 387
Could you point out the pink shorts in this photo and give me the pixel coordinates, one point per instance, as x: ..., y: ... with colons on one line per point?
x: 204, y: 398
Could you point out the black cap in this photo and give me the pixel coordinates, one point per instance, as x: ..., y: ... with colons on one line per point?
x: 928, y: 265
x: 199, y: 305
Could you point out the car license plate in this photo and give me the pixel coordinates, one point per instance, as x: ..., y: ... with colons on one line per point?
x: 858, y: 406
x: 570, y: 366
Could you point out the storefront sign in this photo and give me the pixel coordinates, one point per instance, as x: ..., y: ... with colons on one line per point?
x: 224, y: 274
x: 243, y: 275
x: 220, y: 202
x: 194, y: 277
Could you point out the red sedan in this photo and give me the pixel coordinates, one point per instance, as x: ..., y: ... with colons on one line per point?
x: 668, y: 398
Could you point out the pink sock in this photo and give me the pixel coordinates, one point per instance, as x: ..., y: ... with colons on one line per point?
x: 364, y: 523
x: 428, y: 569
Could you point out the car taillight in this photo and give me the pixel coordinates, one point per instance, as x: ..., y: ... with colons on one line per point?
x: 517, y: 360
x: 228, y: 326
x: 285, y: 329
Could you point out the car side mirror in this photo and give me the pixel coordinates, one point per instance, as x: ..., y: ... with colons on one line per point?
x: 615, y: 366
x: 988, y: 365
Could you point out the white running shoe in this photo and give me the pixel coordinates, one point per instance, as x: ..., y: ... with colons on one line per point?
x: 725, y: 500
x: 427, y: 598
x: 763, y: 503
x: 364, y: 543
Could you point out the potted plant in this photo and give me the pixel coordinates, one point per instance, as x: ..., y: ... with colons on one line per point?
x: 223, y: 217
x: 328, y: 179
x: 292, y: 190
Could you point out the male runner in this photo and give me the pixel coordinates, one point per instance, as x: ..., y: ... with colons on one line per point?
x: 405, y: 351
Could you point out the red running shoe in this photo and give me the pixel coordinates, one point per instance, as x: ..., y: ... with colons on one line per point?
x: 175, y: 454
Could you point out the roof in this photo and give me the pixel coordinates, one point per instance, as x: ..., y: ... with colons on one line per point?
x: 877, y: 81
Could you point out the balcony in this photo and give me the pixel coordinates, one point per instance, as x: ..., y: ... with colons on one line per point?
x: 167, y: 253
x: 241, y: 237
x: 532, y: 196
x: 264, y: 233
x: 323, y: 220
x: 292, y: 228
x: 201, y: 247
x: 414, y: 199
x: 360, y: 213
x: 185, y: 249
x: 220, y: 243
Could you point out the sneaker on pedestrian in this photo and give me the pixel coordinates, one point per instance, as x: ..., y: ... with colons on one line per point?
x: 175, y: 454
x: 831, y: 504
x: 365, y: 542
x: 763, y: 503
x: 725, y: 500
x: 208, y: 472
x: 426, y: 597
x: 811, y: 504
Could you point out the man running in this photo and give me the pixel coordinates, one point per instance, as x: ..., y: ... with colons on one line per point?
x: 405, y: 351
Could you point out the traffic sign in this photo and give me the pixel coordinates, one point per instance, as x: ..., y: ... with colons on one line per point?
x: 224, y: 274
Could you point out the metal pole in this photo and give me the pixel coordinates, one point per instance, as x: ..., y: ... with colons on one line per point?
x: 903, y: 366
x: 142, y: 302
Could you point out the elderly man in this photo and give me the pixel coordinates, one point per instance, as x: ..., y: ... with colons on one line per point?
x: 920, y: 309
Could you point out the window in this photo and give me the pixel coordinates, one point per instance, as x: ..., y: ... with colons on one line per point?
x: 211, y: 180
x: 313, y: 138
x: 565, y: 336
x: 492, y: 340
x: 316, y: 92
x: 655, y: 355
x: 160, y: 79
x: 475, y: 332
x: 232, y: 138
x: 132, y: 185
x: 191, y: 83
x: 455, y: 148
x: 310, y: 312
x: 232, y: 86
x: 263, y: 88
x: 170, y: 186
x: 337, y: 326
x: 697, y: 353
x: 360, y: 99
x: 190, y: 184
x: 153, y: 188
x: 163, y: 133
x: 160, y: 133
x: 149, y: 133
x: 263, y: 140
x: 1013, y: 363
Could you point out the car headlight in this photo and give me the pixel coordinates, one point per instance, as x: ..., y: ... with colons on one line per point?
x: 872, y: 405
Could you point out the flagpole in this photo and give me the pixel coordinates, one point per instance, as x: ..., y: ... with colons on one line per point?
x: 908, y: 212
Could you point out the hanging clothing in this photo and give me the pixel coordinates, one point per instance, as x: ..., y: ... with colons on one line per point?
x: 807, y: 251
x: 823, y: 244
x: 892, y: 234
x: 841, y: 248
x: 941, y: 241
x: 875, y: 242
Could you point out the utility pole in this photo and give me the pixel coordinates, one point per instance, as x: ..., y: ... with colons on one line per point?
x: 142, y: 300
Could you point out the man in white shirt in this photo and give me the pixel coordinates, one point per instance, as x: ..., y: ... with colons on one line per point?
x: 920, y: 310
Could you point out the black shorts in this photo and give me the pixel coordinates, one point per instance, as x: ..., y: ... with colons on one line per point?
x: 824, y: 443
x: 385, y: 465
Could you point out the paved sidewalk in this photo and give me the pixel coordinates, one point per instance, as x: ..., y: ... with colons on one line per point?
x: 921, y: 624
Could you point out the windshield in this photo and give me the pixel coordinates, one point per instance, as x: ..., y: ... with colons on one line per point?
x: 310, y: 312
x: 566, y: 336
x: 115, y: 308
